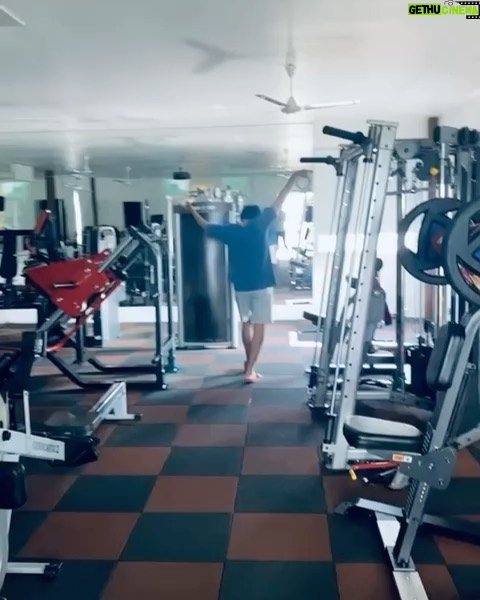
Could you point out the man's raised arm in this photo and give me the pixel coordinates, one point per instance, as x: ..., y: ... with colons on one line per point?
x: 282, y: 196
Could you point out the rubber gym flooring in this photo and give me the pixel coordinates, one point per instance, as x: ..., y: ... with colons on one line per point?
x: 218, y: 494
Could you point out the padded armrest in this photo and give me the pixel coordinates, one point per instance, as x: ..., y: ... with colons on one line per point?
x: 308, y: 316
x: 369, y: 433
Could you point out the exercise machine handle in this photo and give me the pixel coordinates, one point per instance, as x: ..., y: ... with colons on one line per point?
x: 323, y: 160
x: 356, y: 137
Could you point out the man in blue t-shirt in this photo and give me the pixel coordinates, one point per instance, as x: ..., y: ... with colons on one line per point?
x: 251, y: 271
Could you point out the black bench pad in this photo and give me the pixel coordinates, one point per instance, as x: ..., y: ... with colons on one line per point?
x: 369, y: 433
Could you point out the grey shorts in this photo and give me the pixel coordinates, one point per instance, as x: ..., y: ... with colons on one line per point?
x: 255, y: 307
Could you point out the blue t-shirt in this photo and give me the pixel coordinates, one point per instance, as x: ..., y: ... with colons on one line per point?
x: 248, y: 251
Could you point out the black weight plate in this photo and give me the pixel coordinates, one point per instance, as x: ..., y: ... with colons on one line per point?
x: 434, y: 211
x: 461, y: 254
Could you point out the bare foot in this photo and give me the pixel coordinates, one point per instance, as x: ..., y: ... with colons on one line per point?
x: 253, y: 377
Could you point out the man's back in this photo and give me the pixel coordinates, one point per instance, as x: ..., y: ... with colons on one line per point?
x: 248, y: 252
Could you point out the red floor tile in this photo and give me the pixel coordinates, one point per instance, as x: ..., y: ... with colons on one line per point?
x: 128, y: 461
x: 279, y: 414
x: 279, y: 537
x: 81, y: 536
x: 437, y: 582
x: 281, y: 461
x: 163, y: 414
x: 466, y: 465
x: 164, y: 581
x: 45, y: 491
x: 358, y: 581
x: 211, y: 435
x: 459, y: 553
x: 193, y: 494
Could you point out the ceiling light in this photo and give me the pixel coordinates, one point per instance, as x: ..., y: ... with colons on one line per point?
x: 8, y: 19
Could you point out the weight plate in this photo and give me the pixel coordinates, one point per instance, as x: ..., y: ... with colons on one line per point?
x: 434, y: 223
x: 461, y: 253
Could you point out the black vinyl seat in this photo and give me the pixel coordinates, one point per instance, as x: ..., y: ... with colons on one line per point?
x: 369, y: 433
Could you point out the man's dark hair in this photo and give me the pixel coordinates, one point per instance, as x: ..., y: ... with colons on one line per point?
x: 249, y: 212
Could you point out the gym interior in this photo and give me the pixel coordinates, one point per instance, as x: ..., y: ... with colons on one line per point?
x: 136, y: 457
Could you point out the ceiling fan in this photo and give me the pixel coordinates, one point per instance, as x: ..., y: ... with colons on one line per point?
x: 291, y: 107
x: 127, y: 180
x: 76, y: 177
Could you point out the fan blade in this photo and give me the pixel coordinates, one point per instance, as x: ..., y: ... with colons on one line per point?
x: 330, y: 105
x: 271, y: 100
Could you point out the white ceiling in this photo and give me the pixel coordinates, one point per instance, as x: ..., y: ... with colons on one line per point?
x: 128, y: 84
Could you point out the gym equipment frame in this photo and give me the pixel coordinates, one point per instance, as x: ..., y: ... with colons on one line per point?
x: 77, y: 289
x: 428, y: 459
x: 13, y: 445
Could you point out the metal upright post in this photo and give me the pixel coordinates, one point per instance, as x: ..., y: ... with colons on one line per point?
x: 380, y: 151
x: 170, y: 366
x: 399, y: 378
x: 330, y: 331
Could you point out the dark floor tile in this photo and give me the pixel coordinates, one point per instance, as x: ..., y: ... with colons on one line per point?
x: 280, y: 494
x: 340, y: 488
x: 343, y: 529
x: 116, y: 460
x: 292, y: 580
x: 283, y: 537
x: 222, y: 377
x: 117, y: 493
x: 141, y: 435
x: 78, y: 580
x: 466, y: 580
x: 210, y: 435
x: 80, y: 536
x: 203, y: 461
x: 294, y: 384
x: 283, y: 434
x: 462, y: 497
x: 230, y: 396
x: 45, y: 491
x: 267, y: 366
x: 173, y: 537
x: 475, y: 452
x: 169, y: 581
x: 270, y: 413
x: 23, y: 525
x: 275, y: 396
x: 57, y: 399
x: 193, y: 494
x: 217, y: 413
x: 34, y: 466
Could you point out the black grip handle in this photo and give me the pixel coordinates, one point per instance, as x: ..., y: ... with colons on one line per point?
x: 356, y: 137
x: 324, y: 160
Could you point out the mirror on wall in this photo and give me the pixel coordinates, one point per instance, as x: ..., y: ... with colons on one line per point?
x: 291, y: 244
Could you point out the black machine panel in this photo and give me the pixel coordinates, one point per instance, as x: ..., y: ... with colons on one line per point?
x: 133, y: 214
x: 58, y: 214
x: 204, y: 291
